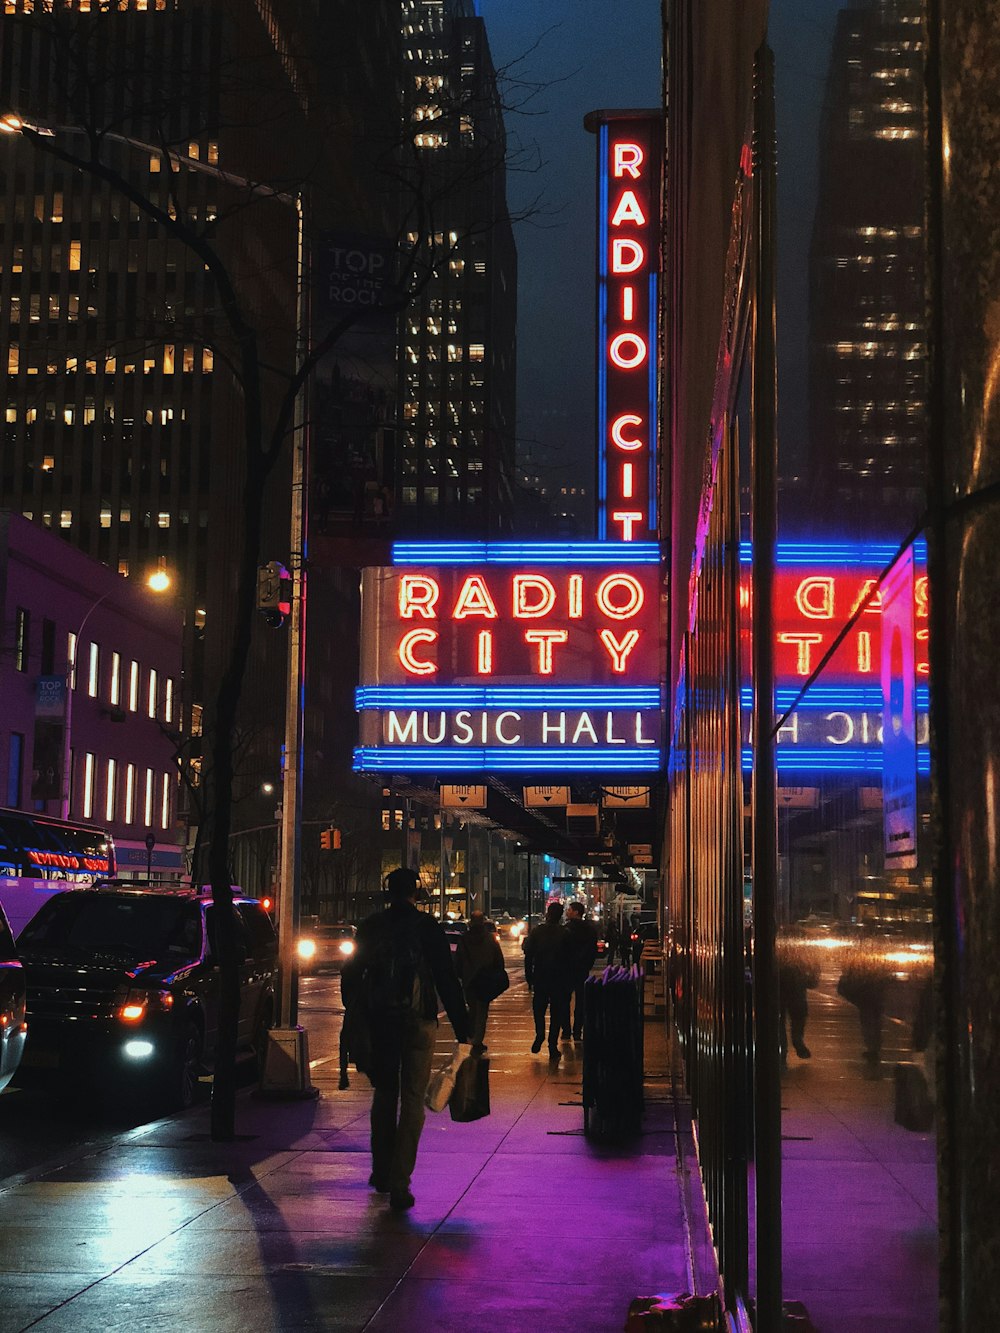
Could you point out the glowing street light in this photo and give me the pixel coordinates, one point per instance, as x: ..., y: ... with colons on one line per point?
x: 158, y: 581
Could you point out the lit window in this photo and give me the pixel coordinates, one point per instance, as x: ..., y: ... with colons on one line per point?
x: 168, y: 699
x: 110, y: 792
x: 165, y: 802
x: 133, y: 687
x: 151, y: 699
x: 147, y: 805
x: 105, y: 517
x: 116, y: 679
x: 476, y: 351
x: 93, y: 670
x: 65, y: 518
x: 163, y: 519
x: 88, y: 785
x: 130, y: 794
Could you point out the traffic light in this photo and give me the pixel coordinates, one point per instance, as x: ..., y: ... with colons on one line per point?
x: 274, y: 592
x: 329, y: 839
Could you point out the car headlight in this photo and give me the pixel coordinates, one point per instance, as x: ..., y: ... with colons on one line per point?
x: 347, y: 947
x: 306, y: 949
x: 138, y: 1003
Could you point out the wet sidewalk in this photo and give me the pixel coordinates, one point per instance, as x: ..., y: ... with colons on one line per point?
x: 520, y: 1223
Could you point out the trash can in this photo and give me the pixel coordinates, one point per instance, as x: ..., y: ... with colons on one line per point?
x: 612, y: 1055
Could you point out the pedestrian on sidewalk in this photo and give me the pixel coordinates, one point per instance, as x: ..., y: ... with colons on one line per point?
x: 403, y: 963
x: 478, y: 960
x: 583, y: 954
x: 797, y: 972
x: 547, y: 970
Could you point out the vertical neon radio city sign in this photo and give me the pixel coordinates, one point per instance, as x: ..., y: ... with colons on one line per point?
x: 628, y: 256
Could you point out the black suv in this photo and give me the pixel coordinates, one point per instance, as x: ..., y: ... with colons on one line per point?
x: 122, y: 984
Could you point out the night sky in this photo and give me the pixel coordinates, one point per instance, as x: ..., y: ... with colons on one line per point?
x: 607, y: 53
x: 587, y: 54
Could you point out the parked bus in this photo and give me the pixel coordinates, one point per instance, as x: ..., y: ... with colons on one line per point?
x: 40, y: 856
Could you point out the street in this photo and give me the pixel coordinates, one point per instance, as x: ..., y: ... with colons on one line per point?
x: 39, y: 1122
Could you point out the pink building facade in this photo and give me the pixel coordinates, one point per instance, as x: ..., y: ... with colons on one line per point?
x: 95, y: 744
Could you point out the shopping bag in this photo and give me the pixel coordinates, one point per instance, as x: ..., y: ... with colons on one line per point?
x: 488, y: 985
x: 470, y: 1099
x: 440, y: 1087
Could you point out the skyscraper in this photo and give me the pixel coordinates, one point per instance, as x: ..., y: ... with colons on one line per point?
x: 455, y: 446
x: 124, y: 389
x: 867, y: 317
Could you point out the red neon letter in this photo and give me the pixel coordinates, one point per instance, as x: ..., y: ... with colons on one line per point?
x: 627, y: 160
x: 474, y: 600
x: 418, y: 596
x: 628, y: 209
x: 627, y: 360
x: 804, y: 641
x: 524, y: 608
x: 626, y: 419
x: 628, y: 518
x: 626, y: 255
x: 545, y: 638
x: 575, y: 596
x: 627, y: 489
x: 619, y: 651
x: 822, y: 607
x: 628, y: 304
x: 633, y: 589
x: 416, y: 666
x: 864, y: 650
x: 485, y: 664
x: 874, y: 607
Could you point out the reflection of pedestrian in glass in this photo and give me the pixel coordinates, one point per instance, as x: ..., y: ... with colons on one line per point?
x: 863, y: 983
x: 797, y: 972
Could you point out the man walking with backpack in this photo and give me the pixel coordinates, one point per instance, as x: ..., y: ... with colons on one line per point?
x: 403, y: 963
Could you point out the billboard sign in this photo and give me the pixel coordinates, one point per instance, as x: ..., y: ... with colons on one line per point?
x: 512, y: 657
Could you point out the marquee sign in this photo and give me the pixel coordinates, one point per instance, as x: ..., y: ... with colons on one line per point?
x: 629, y: 161
x: 512, y: 657
x: 837, y: 726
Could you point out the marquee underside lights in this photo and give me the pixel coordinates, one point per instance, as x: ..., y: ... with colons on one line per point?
x: 628, y: 192
x: 512, y: 657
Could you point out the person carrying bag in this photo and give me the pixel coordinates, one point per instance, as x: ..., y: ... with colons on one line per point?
x: 480, y: 966
x: 470, y: 1098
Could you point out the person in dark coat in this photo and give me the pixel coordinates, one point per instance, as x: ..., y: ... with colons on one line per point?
x: 478, y: 953
x: 547, y: 970
x: 403, y: 1032
x: 583, y: 954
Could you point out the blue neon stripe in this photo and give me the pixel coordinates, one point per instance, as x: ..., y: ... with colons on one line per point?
x: 522, y: 553
x: 844, y: 759
x: 845, y: 554
x: 833, y: 696
x: 599, y: 759
x: 500, y: 696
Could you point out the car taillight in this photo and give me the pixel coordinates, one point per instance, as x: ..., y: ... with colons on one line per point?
x: 139, y: 1003
x: 347, y: 947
